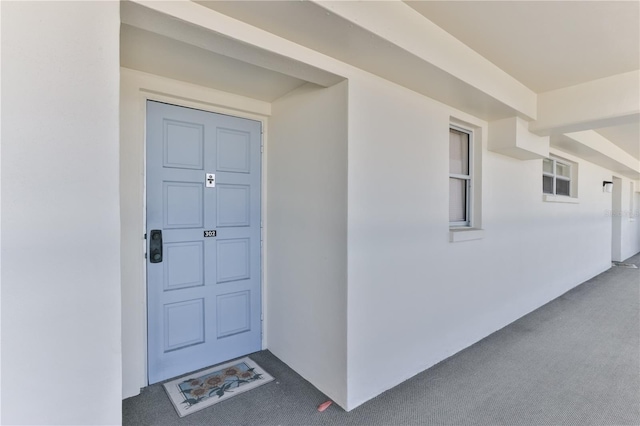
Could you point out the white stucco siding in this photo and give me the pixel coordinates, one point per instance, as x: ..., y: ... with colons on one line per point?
x: 306, y: 250
x: 60, y: 214
x: 414, y: 297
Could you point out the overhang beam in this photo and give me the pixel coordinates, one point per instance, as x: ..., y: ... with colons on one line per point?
x: 207, y: 29
x: 595, y: 148
x: 411, y: 32
x: 605, y: 102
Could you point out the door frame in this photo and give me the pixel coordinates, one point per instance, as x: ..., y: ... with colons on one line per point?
x: 617, y: 197
x: 136, y: 89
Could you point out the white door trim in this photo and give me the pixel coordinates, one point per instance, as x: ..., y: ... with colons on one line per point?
x: 135, y: 89
x: 617, y: 197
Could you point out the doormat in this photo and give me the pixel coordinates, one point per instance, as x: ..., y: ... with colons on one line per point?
x: 196, y: 391
x: 624, y: 265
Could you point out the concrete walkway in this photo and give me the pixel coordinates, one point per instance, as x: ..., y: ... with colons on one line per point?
x: 574, y: 361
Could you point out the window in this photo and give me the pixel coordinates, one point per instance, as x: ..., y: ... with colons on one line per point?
x: 460, y: 165
x: 556, y: 177
x: 465, y: 181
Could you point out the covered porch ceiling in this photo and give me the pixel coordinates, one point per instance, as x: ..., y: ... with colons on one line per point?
x: 489, y: 59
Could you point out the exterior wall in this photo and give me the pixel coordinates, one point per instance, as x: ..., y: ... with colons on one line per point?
x: 411, y: 297
x: 414, y: 297
x: 60, y: 214
x: 385, y: 293
x: 307, y: 235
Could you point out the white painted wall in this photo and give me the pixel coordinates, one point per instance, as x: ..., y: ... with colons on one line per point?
x: 307, y: 235
x: 61, y: 360
x: 414, y: 297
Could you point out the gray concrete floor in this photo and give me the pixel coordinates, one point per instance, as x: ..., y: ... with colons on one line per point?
x: 574, y: 361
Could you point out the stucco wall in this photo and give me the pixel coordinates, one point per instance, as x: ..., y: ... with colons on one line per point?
x: 61, y: 351
x: 307, y: 235
x: 414, y: 297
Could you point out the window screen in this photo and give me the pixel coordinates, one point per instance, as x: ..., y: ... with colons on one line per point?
x: 457, y: 200
x: 459, y: 177
x: 556, y: 177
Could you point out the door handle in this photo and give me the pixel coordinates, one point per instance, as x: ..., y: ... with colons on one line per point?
x: 155, y: 246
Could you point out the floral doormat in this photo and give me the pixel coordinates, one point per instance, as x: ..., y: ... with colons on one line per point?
x: 196, y: 391
x: 624, y: 265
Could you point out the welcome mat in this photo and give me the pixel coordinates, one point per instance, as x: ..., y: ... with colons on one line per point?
x: 624, y: 265
x: 196, y: 391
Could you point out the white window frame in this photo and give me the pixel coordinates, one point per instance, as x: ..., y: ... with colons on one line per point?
x: 555, y: 176
x: 469, y: 181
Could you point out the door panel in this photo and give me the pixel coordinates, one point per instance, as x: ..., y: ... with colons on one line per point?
x: 204, y: 297
x: 183, y: 265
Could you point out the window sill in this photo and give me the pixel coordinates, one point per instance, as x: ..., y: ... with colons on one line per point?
x: 465, y: 234
x: 559, y: 199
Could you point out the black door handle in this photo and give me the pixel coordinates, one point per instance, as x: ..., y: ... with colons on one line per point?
x: 155, y: 246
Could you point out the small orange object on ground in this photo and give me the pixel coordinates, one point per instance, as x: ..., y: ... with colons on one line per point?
x: 324, y: 406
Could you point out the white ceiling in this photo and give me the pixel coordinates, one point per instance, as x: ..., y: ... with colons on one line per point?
x: 548, y: 45
x: 311, y: 25
x: 545, y: 45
